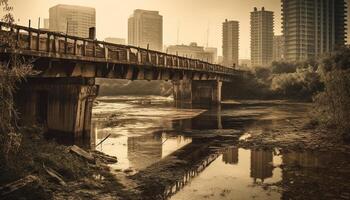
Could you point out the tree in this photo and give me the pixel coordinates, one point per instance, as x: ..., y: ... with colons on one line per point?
x: 333, y: 104
x: 12, y: 72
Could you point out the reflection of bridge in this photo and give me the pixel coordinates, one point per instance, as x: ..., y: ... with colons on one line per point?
x: 62, y: 94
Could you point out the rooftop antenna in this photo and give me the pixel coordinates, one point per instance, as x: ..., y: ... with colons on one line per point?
x: 208, y: 32
x: 39, y: 23
x: 67, y: 28
x: 178, y: 33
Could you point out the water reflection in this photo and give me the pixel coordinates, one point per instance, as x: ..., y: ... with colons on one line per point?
x: 230, y: 156
x: 145, y: 136
x: 229, y: 177
x: 261, y: 165
x: 144, y: 150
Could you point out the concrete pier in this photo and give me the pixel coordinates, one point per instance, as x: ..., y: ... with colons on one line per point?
x: 198, y: 91
x: 62, y: 105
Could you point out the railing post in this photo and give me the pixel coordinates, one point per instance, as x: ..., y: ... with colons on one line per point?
x: 105, y: 51
x: 165, y: 60
x: 48, y: 42
x: 29, y: 39
x: 84, y: 48
x: 65, y: 44
x: 94, y: 49
x: 75, y: 47
x: 128, y: 55
x: 38, y: 41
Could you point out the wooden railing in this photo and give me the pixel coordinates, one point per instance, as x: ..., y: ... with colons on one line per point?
x: 53, y: 43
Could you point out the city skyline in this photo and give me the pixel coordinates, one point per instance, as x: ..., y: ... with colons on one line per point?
x: 191, y: 18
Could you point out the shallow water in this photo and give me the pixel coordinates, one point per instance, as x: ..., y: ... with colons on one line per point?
x: 143, y: 131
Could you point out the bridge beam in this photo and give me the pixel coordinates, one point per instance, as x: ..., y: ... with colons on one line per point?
x: 62, y: 105
x: 197, y: 91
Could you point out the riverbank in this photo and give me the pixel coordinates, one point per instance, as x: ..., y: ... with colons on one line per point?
x: 295, y: 132
x: 78, y: 178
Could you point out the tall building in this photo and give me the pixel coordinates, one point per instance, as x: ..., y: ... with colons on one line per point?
x: 46, y: 24
x: 312, y: 27
x: 145, y: 28
x: 230, y: 43
x: 261, y: 165
x: 73, y: 20
x: 115, y: 40
x: 261, y: 33
x: 278, y: 48
x: 193, y: 51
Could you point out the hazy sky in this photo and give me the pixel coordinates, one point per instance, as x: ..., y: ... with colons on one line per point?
x: 193, y: 17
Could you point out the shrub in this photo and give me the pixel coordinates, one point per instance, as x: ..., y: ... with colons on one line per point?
x: 333, y: 104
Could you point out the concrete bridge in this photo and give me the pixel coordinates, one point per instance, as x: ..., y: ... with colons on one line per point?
x: 61, y: 95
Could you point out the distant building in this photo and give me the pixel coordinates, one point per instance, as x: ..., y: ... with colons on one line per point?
x: 73, y: 20
x: 261, y: 33
x: 278, y: 48
x: 312, y: 28
x: 116, y: 40
x: 146, y: 28
x: 46, y: 23
x: 244, y: 63
x: 220, y: 60
x: 192, y: 51
x: 230, y: 43
x: 214, y: 52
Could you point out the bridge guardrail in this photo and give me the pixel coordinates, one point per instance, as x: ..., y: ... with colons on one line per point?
x: 37, y: 40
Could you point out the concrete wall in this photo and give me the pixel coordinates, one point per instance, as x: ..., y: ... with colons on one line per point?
x: 62, y: 105
x: 197, y: 92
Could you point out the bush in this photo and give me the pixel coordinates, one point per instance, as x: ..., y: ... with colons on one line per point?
x: 333, y: 104
x: 298, y: 85
x: 283, y: 67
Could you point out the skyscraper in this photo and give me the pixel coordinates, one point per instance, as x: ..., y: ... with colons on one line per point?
x: 73, y: 20
x: 278, y: 48
x: 146, y: 28
x: 312, y: 27
x: 261, y: 33
x: 230, y: 43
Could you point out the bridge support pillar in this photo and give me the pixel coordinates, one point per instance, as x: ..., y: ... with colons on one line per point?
x: 62, y: 105
x: 197, y: 91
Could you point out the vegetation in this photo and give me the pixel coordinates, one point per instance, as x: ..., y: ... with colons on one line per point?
x: 333, y: 103
x: 12, y: 72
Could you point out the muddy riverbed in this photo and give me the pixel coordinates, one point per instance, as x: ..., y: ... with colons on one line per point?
x: 239, y: 150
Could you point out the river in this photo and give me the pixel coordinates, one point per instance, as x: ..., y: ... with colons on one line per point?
x: 147, y: 133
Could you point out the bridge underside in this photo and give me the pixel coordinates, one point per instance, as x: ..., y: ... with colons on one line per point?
x: 197, y: 91
x: 62, y: 105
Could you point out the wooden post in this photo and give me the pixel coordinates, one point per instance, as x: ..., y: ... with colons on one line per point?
x: 38, y: 41
x: 94, y: 49
x: 65, y: 45
x: 48, y: 42
x: 84, y: 48
x: 75, y: 47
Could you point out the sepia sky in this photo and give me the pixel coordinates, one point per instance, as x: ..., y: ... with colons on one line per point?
x: 193, y: 17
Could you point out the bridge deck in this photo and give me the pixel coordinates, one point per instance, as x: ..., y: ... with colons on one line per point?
x: 46, y: 44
